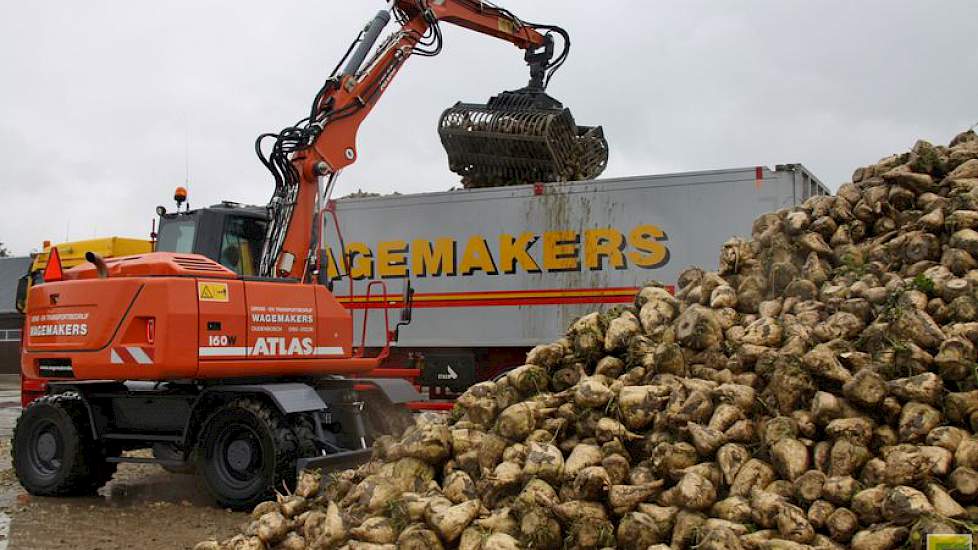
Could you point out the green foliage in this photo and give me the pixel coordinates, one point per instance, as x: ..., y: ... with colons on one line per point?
x: 923, y: 283
x: 851, y: 264
x: 456, y: 413
x: 613, y: 408
x: 398, y: 513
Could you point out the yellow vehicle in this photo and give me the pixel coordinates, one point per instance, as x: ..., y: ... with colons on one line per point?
x: 73, y: 253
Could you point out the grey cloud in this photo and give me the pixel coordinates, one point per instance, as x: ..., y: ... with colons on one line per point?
x: 99, y: 97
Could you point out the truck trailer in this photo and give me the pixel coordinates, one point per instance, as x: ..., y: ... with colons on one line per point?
x: 499, y: 270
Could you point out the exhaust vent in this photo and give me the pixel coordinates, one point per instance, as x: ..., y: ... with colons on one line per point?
x: 199, y: 263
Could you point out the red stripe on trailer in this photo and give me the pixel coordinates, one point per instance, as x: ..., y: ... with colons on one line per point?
x: 758, y: 177
x: 497, y: 298
x: 500, y: 302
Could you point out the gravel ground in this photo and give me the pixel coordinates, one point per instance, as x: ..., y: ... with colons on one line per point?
x: 142, y: 507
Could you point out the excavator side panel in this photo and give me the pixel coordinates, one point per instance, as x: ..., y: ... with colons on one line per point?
x: 126, y: 328
x: 334, y: 326
x: 289, y: 329
x: 222, y: 329
x: 77, y: 315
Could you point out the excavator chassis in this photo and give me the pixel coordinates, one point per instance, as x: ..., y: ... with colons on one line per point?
x: 244, y: 438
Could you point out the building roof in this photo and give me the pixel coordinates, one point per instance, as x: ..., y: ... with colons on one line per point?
x: 11, y: 270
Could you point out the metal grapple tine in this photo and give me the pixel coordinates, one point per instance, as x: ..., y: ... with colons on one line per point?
x: 520, y: 137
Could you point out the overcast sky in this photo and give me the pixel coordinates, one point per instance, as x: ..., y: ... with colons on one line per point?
x: 99, y: 100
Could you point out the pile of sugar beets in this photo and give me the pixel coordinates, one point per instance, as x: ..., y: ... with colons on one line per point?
x: 818, y: 391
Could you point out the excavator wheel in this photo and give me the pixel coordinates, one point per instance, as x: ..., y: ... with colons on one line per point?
x: 53, y: 451
x: 246, y: 450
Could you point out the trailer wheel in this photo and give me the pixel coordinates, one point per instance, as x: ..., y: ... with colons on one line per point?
x: 246, y: 450
x: 53, y: 451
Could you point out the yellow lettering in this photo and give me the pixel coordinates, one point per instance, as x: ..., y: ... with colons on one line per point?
x: 332, y: 270
x: 476, y: 256
x: 392, y: 259
x: 560, y: 251
x: 361, y: 261
x: 433, y: 260
x: 652, y: 253
x: 604, y: 243
x: 513, y: 250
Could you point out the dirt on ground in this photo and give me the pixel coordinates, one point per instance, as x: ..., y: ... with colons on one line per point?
x: 142, y: 507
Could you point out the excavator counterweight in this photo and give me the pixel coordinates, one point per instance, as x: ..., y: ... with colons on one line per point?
x: 518, y: 137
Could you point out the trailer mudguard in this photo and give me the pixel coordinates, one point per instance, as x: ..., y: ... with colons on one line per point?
x: 397, y: 390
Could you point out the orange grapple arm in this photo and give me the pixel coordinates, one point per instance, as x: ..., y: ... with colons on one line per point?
x: 294, y: 243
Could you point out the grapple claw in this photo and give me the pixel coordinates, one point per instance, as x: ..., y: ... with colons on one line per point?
x: 519, y: 137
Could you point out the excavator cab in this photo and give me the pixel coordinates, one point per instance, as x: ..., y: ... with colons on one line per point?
x: 228, y: 233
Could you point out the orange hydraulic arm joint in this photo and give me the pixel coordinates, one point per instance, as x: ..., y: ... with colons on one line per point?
x: 307, y: 157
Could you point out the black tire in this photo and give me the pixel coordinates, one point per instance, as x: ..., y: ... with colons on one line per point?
x: 246, y: 451
x: 166, y: 451
x: 53, y: 451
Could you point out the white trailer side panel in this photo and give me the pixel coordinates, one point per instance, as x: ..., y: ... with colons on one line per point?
x: 589, y: 245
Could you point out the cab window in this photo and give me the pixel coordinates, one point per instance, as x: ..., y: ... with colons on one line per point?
x: 177, y: 236
x: 241, y: 244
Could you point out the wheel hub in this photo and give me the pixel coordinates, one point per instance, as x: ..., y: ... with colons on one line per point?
x: 239, y: 455
x: 46, y: 449
x: 47, y: 446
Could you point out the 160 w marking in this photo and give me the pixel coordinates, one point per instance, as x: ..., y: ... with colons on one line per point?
x: 221, y: 340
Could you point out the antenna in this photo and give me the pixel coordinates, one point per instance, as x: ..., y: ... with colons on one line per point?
x: 186, y: 153
x: 186, y: 159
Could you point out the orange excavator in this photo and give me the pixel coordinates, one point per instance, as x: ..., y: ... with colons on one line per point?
x: 248, y: 378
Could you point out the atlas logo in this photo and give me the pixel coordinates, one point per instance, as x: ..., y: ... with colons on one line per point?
x: 277, y: 345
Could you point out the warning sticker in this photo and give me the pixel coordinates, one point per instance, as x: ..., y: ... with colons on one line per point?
x: 212, y: 292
